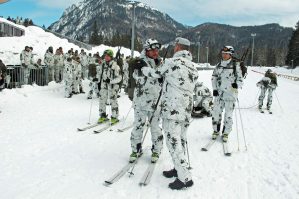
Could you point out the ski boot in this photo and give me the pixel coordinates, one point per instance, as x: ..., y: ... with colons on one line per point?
x: 114, y: 120
x: 134, y: 156
x: 178, y: 185
x: 155, y: 157
x: 103, y: 118
x: 215, y: 135
x: 224, y: 137
x: 171, y: 173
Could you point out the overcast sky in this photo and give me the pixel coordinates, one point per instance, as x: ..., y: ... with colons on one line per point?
x: 191, y: 12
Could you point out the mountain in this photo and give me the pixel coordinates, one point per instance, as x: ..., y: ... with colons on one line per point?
x: 115, y: 16
x: 270, y: 48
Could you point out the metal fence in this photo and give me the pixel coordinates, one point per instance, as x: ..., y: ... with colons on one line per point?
x: 15, y: 77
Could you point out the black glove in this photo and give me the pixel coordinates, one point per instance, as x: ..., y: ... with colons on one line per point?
x: 139, y: 64
x: 160, y: 80
x: 24, y: 65
x: 235, y: 85
x: 107, y: 80
x: 95, y: 79
x: 215, y: 93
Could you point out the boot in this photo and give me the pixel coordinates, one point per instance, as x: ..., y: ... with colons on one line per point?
x: 134, y: 156
x: 103, y: 118
x: 114, y: 120
x: 224, y: 137
x: 178, y: 185
x: 155, y: 157
x: 171, y: 173
x: 215, y: 135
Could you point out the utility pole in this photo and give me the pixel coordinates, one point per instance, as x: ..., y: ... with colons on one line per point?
x: 133, y: 29
x: 207, y: 55
x: 252, y: 49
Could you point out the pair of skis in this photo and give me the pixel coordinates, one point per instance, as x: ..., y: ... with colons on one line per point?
x: 145, y: 180
x: 104, y: 128
x: 211, y: 143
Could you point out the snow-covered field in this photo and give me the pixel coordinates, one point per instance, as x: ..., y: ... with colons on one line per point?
x: 42, y: 155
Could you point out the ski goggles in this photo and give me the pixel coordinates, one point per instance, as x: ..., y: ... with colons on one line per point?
x: 154, y: 46
x: 226, y: 50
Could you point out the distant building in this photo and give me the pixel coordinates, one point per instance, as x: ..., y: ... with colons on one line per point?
x: 10, y: 30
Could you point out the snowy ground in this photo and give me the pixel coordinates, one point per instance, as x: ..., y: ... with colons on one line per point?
x: 43, y: 156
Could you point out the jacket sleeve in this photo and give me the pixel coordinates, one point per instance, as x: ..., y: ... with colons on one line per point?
x: 214, y: 79
x: 159, y: 72
x: 117, y: 76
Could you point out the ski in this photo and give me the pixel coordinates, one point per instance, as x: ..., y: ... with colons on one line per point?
x: 89, y: 127
x: 124, y: 128
x: 119, y: 174
x: 146, y: 178
x: 104, y: 128
x: 208, y: 145
x: 225, y: 149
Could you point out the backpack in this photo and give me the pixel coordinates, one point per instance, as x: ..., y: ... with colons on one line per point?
x: 242, y: 67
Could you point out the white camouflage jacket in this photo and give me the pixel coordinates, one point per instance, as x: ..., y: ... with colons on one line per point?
x: 180, y: 76
x: 224, y: 76
x: 109, y: 71
x: 147, y: 89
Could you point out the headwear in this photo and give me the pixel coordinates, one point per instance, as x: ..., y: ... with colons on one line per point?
x: 108, y: 52
x: 228, y: 50
x: 151, y: 44
x: 199, y: 84
x: 182, y: 41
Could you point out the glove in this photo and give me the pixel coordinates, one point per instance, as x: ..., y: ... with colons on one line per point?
x: 95, y: 80
x: 215, y: 93
x: 235, y: 85
x: 160, y: 80
x: 107, y: 80
x: 24, y: 65
x: 140, y: 63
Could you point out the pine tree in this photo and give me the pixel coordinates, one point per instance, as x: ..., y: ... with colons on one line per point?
x: 95, y: 38
x: 292, y: 58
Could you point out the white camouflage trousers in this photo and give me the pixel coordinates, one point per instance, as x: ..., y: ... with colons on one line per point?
x: 68, y: 87
x: 262, y: 96
x: 176, y: 139
x: 51, y: 75
x: 103, y: 99
x: 26, y: 75
x: 140, y: 118
x: 219, y: 106
x: 93, y: 88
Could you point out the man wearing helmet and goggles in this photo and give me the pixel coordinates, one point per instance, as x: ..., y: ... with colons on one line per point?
x: 226, y: 80
x: 146, y: 95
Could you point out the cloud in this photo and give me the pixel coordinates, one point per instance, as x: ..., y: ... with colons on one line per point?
x: 233, y: 12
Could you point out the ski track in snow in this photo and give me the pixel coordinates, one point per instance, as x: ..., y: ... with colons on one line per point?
x: 44, y: 156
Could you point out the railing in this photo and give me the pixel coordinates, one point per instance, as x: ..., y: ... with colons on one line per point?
x: 294, y: 78
x: 15, y: 76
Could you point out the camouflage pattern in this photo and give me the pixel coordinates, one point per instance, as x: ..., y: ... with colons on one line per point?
x: 266, y: 84
x: 93, y: 85
x: 26, y: 58
x: 223, y: 77
x: 58, y: 66
x: 109, y: 71
x: 84, y: 62
x: 180, y: 76
x: 68, y: 78
x: 202, y: 97
x: 125, y: 74
x: 49, y: 61
x: 145, y: 98
x: 76, y: 75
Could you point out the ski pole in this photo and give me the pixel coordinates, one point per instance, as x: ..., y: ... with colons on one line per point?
x: 110, y: 112
x: 188, y: 155
x: 237, y: 130
x: 278, y: 101
x: 242, y: 126
x: 126, y: 117
x: 90, y: 109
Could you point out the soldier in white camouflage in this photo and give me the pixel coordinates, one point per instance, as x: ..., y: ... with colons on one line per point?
x: 68, y: 78
x: 226, y: 80
x: 58, y: 64
x: 146, y: 96
x: 26, y: 62
x: 109, y: 77
x: 202, y: 101
x: 93, y: 84
x: 49, y: 61
x: 180, y: 76
x: 267, y: 83
x: 77, y: 70
x: 84, y: 62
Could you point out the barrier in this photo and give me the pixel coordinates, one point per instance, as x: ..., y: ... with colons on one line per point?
x: 16, y: 76
x: 294, y: 78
